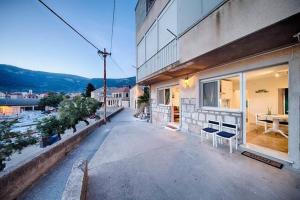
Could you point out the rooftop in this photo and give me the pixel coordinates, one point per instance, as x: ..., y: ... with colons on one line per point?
x: 123, y: 89
x: 19, y: 102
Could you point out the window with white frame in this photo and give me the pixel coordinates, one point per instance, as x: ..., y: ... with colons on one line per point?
x: 223, y: 93
x: 163, y: 96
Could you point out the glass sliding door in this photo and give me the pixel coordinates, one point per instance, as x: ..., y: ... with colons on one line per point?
x: 266, y: 108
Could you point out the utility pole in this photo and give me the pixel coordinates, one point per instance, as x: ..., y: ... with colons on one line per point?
x: 104, y: 53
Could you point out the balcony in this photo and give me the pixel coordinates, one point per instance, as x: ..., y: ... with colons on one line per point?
x: 163, y: 58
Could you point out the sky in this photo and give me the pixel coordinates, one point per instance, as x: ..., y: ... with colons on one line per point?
x: 31, y: 37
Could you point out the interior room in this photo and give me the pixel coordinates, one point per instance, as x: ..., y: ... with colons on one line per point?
x: 175, y: 91
x: 267, y: 108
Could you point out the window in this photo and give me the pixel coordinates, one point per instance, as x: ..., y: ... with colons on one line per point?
x: 221, y: 93
x: 210, y: 94
x: 127, y: 94
x: 163, y: 96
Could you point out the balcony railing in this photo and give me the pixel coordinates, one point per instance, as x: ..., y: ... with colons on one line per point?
x: 164, y: 57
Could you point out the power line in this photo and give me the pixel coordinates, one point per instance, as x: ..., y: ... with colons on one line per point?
x: 69, y: 25
x: 112, y: 26
x: 117, y: 65
x: 103, y: 54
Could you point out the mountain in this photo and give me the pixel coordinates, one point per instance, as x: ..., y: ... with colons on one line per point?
x: 14, y: 79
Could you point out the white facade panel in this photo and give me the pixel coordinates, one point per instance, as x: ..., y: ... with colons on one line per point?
x: 190, y: 11
x: 141, y: 53
x: 209, y: 5
x: 168, y: 20
x: 151, y: 42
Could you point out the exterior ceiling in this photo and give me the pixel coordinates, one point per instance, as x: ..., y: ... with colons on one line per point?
x: 273, y: 37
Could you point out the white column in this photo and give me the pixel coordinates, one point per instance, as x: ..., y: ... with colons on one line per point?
x: 294, y: 105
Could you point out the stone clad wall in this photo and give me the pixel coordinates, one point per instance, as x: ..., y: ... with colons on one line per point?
x: 161, y: 114
x: 194, y: 119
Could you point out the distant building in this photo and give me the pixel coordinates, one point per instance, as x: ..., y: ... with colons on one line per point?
x: 40, y: 96
x: 135, y: 92
x: 74, y: 94
x: 16, y: 95
x: 98, y: 93
x: 2, y: 95
x: 121, y: 93
x: 10, y: 106
x: 116, y: 97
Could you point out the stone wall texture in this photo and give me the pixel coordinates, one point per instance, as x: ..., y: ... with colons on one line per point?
x: 193, y: 119
x: 161, y: 114
x: 13, y: 183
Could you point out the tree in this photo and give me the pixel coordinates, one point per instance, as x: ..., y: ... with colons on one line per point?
x: 78, y: 109
x: 52, y: 100
x: 68, y: 114
x: 11, y: 142
x: 51, y: 126
x: 89, y: 88
x: 144, y: 99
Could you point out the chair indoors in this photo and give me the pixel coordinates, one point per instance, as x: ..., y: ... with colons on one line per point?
x: 210, y: 130
x: 233, y: 134
x: 264, y: 122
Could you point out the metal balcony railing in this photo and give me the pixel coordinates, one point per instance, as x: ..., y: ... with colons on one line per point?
x: 164, y: 57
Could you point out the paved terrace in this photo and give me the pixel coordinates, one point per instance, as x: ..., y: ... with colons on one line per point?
x: 140, y: 161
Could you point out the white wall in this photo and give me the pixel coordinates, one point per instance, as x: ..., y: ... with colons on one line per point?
x: 185, y: 92
x: 135, y: 92
x: 157, y: 36
x: 259, y: 102
x: 141, y: 54
x: 151, y: 41
x: 167, y: 20
x: 190, y: 11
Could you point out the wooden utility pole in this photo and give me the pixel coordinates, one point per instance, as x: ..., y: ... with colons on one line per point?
x: 104, y: 53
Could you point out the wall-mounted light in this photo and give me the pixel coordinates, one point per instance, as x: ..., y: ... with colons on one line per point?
x: 276, y: 75
x: 186, y: 82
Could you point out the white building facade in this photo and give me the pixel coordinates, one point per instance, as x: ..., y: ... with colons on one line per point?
x: 232, y: 61
x: 116, y: 97
x: 135, y: 92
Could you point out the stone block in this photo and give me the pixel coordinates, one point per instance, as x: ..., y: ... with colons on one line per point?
x: 193, y: 101
x: 190, y: 108
x: 200, y: 123
x: 195, y: 116
x: 186, y: 101
x: 187, y: 115
x: 219, y: 118
x: 183, y: 108
x: 201, y: 117
x: 210, y: 117
x: 236, y: 114
x: 229, y: 119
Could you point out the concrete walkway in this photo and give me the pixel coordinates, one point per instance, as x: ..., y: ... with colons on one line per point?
x: 52, y: 185
x: 140, y: 161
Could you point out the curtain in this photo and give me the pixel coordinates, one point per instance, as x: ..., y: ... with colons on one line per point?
x: 210, y: 94
x: 167, y: 96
